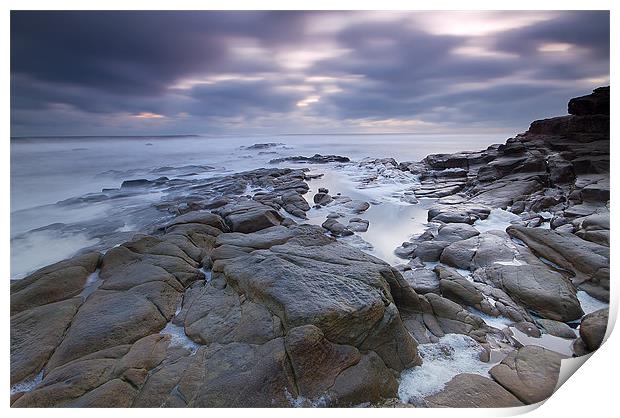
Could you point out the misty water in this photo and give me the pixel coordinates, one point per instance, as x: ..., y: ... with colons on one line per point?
x: 49, y: 224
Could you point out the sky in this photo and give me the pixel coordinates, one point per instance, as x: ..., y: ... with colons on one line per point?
x: 211, y: 72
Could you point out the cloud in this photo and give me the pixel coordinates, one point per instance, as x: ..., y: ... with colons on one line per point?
x: 172, y: 72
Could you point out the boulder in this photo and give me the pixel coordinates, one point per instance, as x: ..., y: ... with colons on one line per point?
x: 249, y: 216
x: 589, y: 262
x: 596, y: 103
x: 357, y: 206
x: 456, y: 232
x: 110, y: 318
x: 530, y: 373
x: 336, y: 228
x: 422, y: 280
x: 358, y: 225
x: 322, y: 199
x: 35, y: 334
x: 347, y: 294
x: 110, y: 377
x: 593, y: 328
x: 483, y: 250
x: 538, y: 288
x: 455, y: 287
x: 472, y: 391
x: 556, y: 328
x: 53, y: 283
x: 200, y: 217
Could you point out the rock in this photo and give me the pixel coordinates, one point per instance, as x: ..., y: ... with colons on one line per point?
x: 530, y: 373
x: 422, y: 280
x: 528, y: 328
x: 429, y: 250
x: 295, y: 204
x: 35, y: 334
x: 249, y: 216
x: 358, y: 225
x: 357, y: 206
x: 200, y: 217
x: 219, y: 315
x: 405, y: 250
x: 456, y: 232
x: 315, y: 159
x: 336, y: 228
x: 110, y: 318
x: 322, y: 199
x: 593, y: 328
x: 236, y: 375
x: 589, y: 262
x: 556, y: 328
x: 592, y: 104
x: 472, y: 391
x: 264, y: 145
x: 409, y: 197
x: 445, y: 317
x: 53, y: 283
x: 455, y: 287
x: 344, y: 292
x: 143, y: 182
x: 265, y: 238
x: 503, y: 194
x: 367, y: 381
x: 316, y: 362
x: 538, y: 288
x: 104, y: 378
x: 460, y: 213
x: 483, y: 250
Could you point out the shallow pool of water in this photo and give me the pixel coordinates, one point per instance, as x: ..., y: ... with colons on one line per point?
x: 391, y: 221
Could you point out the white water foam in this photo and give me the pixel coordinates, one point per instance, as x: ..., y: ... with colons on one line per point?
x: 303, y: 402
x: 178, y: 338
x: 28, y: 384
x: 498, y: 219
x: 452, y: 355
x: 499, y: 322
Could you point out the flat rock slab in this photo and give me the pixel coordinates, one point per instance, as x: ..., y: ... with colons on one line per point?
x: 35, y: 334
x: 53, y: 283
x: 473, y: 391
x: 530, y: 373
x: 589, y: 262
x: 540, y: 289
x: 314, y: 280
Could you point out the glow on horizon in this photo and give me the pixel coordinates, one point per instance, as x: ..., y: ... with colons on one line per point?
x: 148, y: 115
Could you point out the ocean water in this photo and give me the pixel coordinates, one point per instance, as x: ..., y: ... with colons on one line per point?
x: 49, y: 224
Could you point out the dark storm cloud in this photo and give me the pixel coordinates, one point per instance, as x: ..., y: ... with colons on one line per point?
x: 586, y: 29
x: 135, y: 52
x: 80, y: 67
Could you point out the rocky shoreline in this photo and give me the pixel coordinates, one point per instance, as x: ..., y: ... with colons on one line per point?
x: 236, y: 301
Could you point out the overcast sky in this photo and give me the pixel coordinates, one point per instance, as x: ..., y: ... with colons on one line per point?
x: 115, y: 73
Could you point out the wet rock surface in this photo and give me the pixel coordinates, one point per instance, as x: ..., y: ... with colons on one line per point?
x: 232, y: 300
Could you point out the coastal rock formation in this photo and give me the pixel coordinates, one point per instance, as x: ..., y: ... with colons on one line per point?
x: 530, y: 373
x: 315, y: 318
x: 473, y: 391
x: 592, y: 329
x: 231, y: 300
x: 315, y: 159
